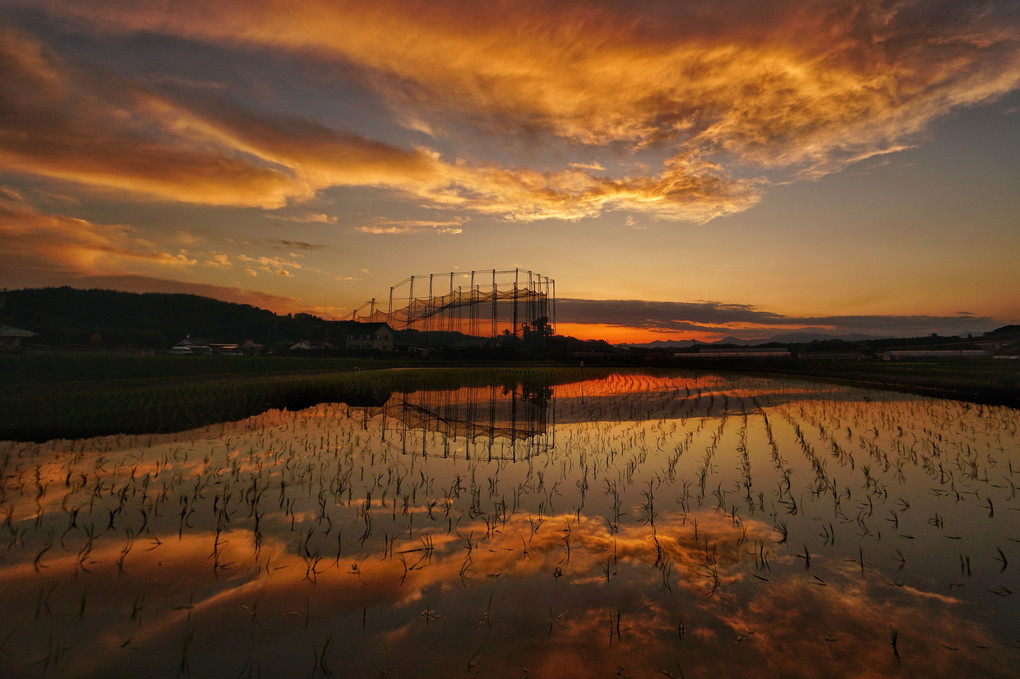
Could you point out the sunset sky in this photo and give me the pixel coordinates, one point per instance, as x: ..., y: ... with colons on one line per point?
x: 683, y: 169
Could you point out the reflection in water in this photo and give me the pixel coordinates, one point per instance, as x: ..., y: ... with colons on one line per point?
x: 638, y: 525
x: 493, y: 422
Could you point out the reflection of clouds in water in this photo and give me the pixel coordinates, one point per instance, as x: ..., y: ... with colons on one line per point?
x: 438, y: 611
x: 115, y: 608
x: 413, y: 599
x: 804, y: 629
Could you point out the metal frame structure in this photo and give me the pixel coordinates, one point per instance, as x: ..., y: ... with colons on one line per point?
x: 484, y: 303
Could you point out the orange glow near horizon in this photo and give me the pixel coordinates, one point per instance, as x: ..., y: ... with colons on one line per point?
x: 617, y: 334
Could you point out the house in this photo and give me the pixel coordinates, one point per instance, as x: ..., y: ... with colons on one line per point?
x: 194, y: 345
x: 370, y: 337
x: 13, y: 337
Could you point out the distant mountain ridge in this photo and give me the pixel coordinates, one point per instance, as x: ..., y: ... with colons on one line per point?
x: 784, y: 338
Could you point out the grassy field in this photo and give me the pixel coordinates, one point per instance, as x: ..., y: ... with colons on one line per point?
x: 31, y: 369
x: 80, y: 395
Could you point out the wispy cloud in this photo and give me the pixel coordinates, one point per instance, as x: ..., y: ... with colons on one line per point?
x: 400, y: 227
x: 274, y: 265
x: 296, y: 244
x: 305, y: 218
x: 219, y: 260
x: 35, y: 239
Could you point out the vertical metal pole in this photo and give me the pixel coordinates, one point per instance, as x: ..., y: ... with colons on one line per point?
x: 495, y: 313
x: 472, y: 311
x: 410, y: 299
x: 542, y: 297
x: 554, y: 305
x: 429, y: 310
x: 517, y: 273
x: 530, y: 298
x: 544, y: 285
x: 450, y: 307
x: 389, y: 310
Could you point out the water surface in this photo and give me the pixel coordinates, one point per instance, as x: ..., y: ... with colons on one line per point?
x: 640, y: 525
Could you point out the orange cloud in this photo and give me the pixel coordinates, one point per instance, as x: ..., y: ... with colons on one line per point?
x: 391, y: 227
x: 75, y: 245
x: 273, y: 265
x: 699, y: 98
x: 115, y: 136
x: 66, y: 124
x: 777, y: 83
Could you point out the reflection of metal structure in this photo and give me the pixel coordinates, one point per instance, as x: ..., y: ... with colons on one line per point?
x: 476, y: 303
x: 495, y: 423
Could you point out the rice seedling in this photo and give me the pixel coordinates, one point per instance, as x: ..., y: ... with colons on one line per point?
x: 441, y: 492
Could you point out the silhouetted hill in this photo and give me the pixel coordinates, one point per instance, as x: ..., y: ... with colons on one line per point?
x: 1006, y: 332
x: 65, y: 315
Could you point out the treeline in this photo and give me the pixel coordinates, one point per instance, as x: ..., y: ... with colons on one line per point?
x: 67, y: 316
x: 1008, y: 336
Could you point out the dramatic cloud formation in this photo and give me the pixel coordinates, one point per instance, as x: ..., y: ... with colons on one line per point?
x: 807, y: 88
x: 397, y: 119
x: 114, y: 135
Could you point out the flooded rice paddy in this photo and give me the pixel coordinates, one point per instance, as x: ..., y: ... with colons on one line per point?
x: 637, y: 525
